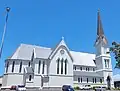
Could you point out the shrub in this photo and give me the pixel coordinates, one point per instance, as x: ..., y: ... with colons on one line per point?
x: 77, y: 88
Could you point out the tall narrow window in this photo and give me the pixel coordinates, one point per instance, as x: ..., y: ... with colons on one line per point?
x: 29, y: 64
x: 20, y: 67
x: 108, y: 63
x: 66, y: 66
x: 62, y: 66
x: 75, y: 67
x: 58, y: 61
x: 88, y: 69
x: 95, y: 80
x: 32, y: 58
x: 13, y: 66
x: 105, y: 63
x: 43, y: 67
x: 30, y: 77
x: 81, y: 68
x: 7, y: 67
x: 81, y: 79
x: 39, y: 67
x: 93, y: 69
x: 87, y: 80
x: 78, y: 79
x: 100, y: 80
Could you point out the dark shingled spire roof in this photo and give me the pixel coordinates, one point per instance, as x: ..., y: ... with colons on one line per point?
x: 100, y: 32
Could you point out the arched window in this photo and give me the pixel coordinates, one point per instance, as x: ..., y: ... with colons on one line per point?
x: 30, y: 77
x: 13, y: 66
x: 81, y: 79
x: 66, y: 66
x: 87, y: 80
x: 20, y: 67
x: 39, y: 67
x: 81, y: 68
x: 100, y: 80
x: 95, y: 80
x: 43, y: 67
x: 7, y: 67
x: 75, y: 67
x: 58, y: 65
x: 29, y: 64
x: 78, y: 79
x: 88, y: 69
x: 62, y: 66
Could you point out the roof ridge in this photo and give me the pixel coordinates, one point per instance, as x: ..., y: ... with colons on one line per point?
x: 35, y: 46
x: 82, y: 52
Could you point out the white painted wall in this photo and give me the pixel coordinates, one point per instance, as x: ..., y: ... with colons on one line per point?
x: 12, y: 79
x: 59, y: 81
x: 84, y: 79
x: 54, y: 77
x: 36, y: 66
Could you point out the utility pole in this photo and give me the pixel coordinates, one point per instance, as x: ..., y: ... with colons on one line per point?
x: 4, y: 31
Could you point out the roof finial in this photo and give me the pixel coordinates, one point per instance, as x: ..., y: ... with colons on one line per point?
x: 98, y: 10
x: 62, y: 38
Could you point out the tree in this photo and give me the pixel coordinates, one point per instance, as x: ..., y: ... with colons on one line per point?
x: 115, y: 49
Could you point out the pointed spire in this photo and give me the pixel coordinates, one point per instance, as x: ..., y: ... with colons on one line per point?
x: 100, y: 31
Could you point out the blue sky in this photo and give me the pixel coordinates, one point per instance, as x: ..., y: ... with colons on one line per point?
x: 44, y: 22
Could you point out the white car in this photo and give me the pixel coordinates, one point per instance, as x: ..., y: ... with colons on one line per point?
x: 85, y: 87
x: 100, y: 88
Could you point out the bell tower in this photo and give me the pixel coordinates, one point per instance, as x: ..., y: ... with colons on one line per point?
x: 103, y: 58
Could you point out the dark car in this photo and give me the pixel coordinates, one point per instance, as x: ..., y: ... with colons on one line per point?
x: 67, y: 88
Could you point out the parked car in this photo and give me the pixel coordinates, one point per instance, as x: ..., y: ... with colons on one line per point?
x: 85, y: 87
x: 100, y: 88
x: 21, y: 88
x: 67, y: 88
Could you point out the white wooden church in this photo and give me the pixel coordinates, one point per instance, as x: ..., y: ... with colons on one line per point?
x: 37, y: 66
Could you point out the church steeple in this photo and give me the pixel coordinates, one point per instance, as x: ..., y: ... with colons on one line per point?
x: 100, y: 33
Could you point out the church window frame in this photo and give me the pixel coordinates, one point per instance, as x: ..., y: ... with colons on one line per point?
x: 20, y: 68
x: 30, y: 77
x: 43, y: 69
x: 62, y: 66
x: 13, y: 65
x: 7, y: 67
x: 66, y: 66
x: 58, y: 64
x: 39, y: 65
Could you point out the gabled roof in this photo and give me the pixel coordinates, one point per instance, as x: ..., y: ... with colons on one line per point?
x: 25, y: 52
x: 81, y: 58
x: 63, y: 44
